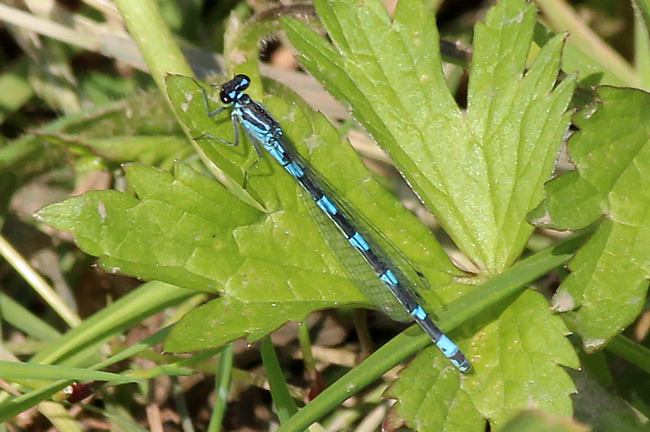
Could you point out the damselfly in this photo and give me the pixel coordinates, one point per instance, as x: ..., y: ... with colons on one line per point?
x: 377, y: 267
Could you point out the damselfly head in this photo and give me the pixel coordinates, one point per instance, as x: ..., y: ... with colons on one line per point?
x: 232, y: 90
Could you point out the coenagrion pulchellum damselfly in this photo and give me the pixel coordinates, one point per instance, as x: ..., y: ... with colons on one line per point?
x: 378, y: 268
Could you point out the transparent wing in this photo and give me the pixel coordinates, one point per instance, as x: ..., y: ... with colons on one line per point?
x: 358, y: 269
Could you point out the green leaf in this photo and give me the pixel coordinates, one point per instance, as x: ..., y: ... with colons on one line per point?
x: 522, y: 357
x: 609, y: 279
x: 575, y: 61
x: 271, y: 266
x: 282, y: 399
x: 501, y: 287
x: 525, y: 345
x: 178, y: 231
x: 480, y: 172
x: 432, y: 398
x: 76, y: 346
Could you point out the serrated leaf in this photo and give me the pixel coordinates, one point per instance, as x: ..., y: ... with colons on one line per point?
x: 517, y: 362
x: 318, y: 141
x: 274, y: 189
x: 481, y: 172
x: 609, y: 279
x: 522, y: 355
x: 168, y: 234
x: 432, y: 398
x: 271, y: 266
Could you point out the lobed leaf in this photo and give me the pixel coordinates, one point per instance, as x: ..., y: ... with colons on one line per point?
x: 168, y: 234
x: 480, y: 171
x: 432, y: 398
x: 517, y: 363
x: 522, y: 354
x: 263, y: 255
x: 609, y: 279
